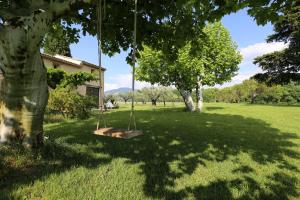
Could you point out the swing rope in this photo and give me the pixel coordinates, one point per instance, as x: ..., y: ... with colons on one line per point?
x: 99, y: 36
x: 132, y: 115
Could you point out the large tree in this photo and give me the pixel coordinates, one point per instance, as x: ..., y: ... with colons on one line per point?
x: 281, y: 67
x: 213, y: 60
x: 23, y: 25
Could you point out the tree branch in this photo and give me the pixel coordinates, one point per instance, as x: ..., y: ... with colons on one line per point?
x: 26, y: 8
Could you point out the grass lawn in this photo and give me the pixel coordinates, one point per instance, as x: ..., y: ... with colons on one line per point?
x: 228, y: 152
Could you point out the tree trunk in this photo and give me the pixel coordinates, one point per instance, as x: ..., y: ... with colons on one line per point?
x: 24, y: 90
x: 188, y: 100
x: 153, y: 102
x: 199, y: 96
x: 164, y: 103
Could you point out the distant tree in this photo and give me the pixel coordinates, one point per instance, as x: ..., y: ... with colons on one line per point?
x: 210, y: 95
x: 141, y: 97
x: 110, y: 97
x: 174, y: 96
x: 213, y: 60
x: 125, y: 96
x: 281, y: 67
x: 253, y: 89
x: 167, y: 95
x: 153, y: 93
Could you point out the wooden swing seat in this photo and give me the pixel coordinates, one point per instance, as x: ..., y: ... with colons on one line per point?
x: 117, y: 133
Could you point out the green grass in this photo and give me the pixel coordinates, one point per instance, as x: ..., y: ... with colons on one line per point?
x: 228, y: 152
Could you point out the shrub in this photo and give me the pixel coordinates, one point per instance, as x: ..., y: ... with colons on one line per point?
x: 69, y: 103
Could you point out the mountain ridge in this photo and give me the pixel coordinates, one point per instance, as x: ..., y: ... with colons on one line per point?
x: 119, y: 90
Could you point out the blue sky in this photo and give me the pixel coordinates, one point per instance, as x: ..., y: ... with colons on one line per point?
x: 249, y: 37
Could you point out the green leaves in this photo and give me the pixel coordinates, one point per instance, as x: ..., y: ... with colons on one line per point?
x: 77, y: 79
x: 214, y: 59
x: 57, y: 77
x: 59, y: 38
x: 283, y: 66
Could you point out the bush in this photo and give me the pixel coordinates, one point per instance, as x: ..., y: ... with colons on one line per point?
x: 251, y: 91
x: 69, y: 103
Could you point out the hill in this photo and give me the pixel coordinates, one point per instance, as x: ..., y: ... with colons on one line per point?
x: 118, y: 91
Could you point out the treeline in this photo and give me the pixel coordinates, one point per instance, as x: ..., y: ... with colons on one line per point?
x: 251, y: 91
x: 147, y: 94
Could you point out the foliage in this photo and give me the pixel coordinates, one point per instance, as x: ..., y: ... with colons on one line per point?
x: 64, y: 98
x: 210, y: 95
x: 140, y: 97
x: 55, y: 77
x: 153, y: 93
x: 251, y: 91
x: 169, y: 95
x: 283, y: 66
x: 215, y: 61
x: 157, y: 93
x: 57, y: 41
x: 58, y: 77
x: 69, y: 103
x: 125, y: 96
x: 161, y: 24
x: 77, y: 79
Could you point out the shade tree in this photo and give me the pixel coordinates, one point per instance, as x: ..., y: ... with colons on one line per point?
x: 214, y: 61
x: 282, y: 67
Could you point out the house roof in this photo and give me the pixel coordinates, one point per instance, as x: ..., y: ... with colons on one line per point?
x: 70, y: 61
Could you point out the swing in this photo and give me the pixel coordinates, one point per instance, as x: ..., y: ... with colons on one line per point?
x: 109, y: 131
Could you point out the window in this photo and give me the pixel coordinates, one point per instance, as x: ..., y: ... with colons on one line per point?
x: 55, y: 65
x: 92, y: 91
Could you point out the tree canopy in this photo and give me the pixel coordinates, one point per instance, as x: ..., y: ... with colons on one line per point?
x: 161, y: 24
x: 216, y: 61
x: 213, y: 61
x: 57, y: 41
x: 281, y: 67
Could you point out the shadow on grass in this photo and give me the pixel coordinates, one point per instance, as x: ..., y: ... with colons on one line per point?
x: 210, y: 108
x: 191, y: 140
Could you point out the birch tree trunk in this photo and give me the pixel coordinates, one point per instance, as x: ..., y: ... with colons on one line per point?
x: 24, y: 90
x: 188, y: 100
x: 199, y: 96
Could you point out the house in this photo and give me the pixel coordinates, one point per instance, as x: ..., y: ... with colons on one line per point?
x: 71, y: 65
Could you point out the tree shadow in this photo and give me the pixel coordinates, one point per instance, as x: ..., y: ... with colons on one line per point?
x: 173, y: 138
x: 20, y: 166
x: 211, y: 108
